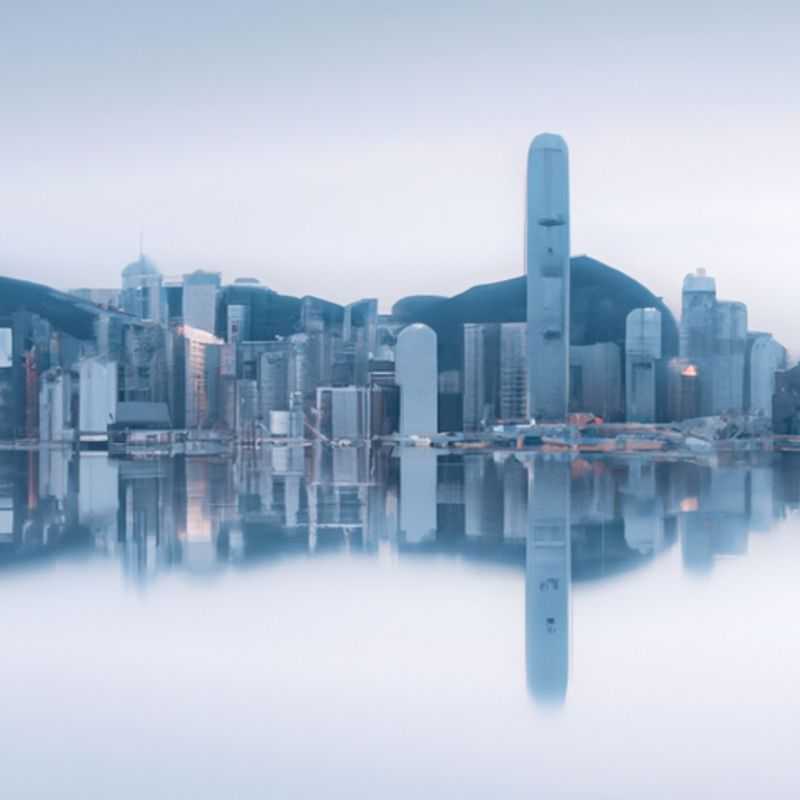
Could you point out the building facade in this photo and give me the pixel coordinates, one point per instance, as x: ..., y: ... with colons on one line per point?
x: 547, y: 250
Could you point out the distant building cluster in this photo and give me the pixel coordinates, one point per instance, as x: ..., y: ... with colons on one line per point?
x: 165, y: 360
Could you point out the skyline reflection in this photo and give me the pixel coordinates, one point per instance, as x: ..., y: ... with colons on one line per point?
x: 557, y: 518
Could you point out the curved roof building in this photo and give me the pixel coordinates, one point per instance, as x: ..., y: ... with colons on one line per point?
x: 417, y: 376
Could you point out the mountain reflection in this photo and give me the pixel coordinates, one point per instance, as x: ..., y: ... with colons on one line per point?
x: 558, y: 517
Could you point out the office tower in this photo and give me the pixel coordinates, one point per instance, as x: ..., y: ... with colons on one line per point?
x: 481, y: 375
x: 765, y: 357
x: 194, y: 358
x: 97, y: 407
x: 273, y: 380
x: 237, y: 324
x: 362, y: 316
x: 173, y: 291
x: 642, y: 359
x: 55, y: 401
x: 514, y: 372
x: 547, y: 245
x: 786, y: 402
x: 596, y: 380
x: 200, y: 300
x: 730, y: 345
x: 495, y: 374
x: 416, y: 371
x: 143, y: 292
x: 699, y: 300
x: 683, y: 390
x: 548, y: 579
x: 384, y: 399
x: 143, y: 373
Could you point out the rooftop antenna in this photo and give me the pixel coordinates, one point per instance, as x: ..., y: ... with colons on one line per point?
x: 141, y: 245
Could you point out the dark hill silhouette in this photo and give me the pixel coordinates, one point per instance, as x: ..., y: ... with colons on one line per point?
x: 601, y: 298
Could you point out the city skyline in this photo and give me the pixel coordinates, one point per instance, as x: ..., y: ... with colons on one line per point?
x: 367, y: 154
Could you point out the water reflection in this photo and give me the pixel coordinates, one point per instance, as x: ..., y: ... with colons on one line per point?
x: 558, y: 518
x: 548, y: 579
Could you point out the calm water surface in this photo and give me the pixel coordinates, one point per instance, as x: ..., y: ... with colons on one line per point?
x: 314, y: 623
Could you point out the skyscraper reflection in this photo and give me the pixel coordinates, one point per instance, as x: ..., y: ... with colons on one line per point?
x: 418, y: 495
x: 562, y: 518
x: 548, y: 578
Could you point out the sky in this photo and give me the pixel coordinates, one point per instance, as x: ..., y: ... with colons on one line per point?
x: 350, y: 149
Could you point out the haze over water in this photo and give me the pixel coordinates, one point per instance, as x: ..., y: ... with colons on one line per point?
x: 283, y: 625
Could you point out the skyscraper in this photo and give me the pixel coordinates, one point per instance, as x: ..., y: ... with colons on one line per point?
x: 642, y: 356
x: 495, y: 374
x: 730, y: 346
x: 417, y: 376
x: 200, y: 300
x: 143, y: 292
x: 595, y: 384
x: 698, y: 301
x: 514, y: 372
x: 765, y: 358
x: 548, y: 270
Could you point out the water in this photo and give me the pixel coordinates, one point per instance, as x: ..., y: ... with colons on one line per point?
x: 352, y: 623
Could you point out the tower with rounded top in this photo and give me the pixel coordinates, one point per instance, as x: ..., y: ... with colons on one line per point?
x: 547, y: 249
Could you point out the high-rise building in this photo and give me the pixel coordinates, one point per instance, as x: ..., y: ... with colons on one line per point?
x: 698, y: 305
x: 194, y: 368
x: 273, y: 380
x: 237, y: 323
x: 55, y: 396
x: 730, y: 346
x: 596, y: 380
x: 143, y: 292
x: 642, y: 360
x: 714, y: 340
x: 547, y: 247
x: 200, y: 300
x: 683, y: 390
x: 143, y: 373
x: 97, y: 407
x: 495, y: 374
x: 764, y: 358
x: 481, y: 375
x: 416, y: 374
x: 514, y: 372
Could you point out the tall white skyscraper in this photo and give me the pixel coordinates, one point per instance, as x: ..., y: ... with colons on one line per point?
x: 417, y: 376
x: 548, y: 269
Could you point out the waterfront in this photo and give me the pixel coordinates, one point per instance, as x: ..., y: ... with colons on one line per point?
x: 355, y: 622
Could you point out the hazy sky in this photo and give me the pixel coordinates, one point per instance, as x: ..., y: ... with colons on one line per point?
x: 373, y: 148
